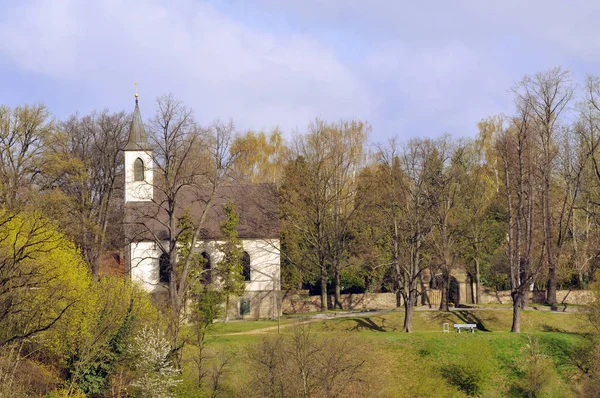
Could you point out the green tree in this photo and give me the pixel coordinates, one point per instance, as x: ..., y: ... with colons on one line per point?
x: 43, y: 277
x: 229, y: 272
x: 95, y: 339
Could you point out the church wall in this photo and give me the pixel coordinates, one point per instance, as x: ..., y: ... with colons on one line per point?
x: 264, y: 263
x: 144, y: 265
x: 263, y: 304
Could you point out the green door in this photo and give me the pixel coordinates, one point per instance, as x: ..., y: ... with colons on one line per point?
x: 244, y: 306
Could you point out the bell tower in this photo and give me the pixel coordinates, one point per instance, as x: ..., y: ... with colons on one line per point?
x: 138, y: 161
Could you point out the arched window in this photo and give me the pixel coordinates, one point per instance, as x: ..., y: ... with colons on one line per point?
x: 246, y: 266
x: 206, y: 277
x: 138, y: 170
x: 164, y: 268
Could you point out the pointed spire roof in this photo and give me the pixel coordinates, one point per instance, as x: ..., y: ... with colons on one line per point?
x: 137, y: 135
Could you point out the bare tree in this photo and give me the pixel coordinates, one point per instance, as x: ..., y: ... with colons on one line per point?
x: 83, y: 162
x: 319, y: 195
x: 404, y: 208
x: 190, y: 164
x: 305, y: 364
x: 545, y: 96
x: 516, y: 149
x: 23, y: 133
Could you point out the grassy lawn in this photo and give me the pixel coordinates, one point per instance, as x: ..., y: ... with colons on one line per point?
x: 412, y: 365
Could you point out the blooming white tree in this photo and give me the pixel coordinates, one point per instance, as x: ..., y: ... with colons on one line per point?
x: 156, y: 375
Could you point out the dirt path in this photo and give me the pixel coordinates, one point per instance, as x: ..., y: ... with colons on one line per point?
x: 308, y: 319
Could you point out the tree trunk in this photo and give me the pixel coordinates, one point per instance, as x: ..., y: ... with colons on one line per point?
x: 323, y: 288
x: 398, y: 298
x: 551, y: 293
x: 408, y: 310
x: 445, y: 291
x: 516, y: 319
x: 477, y: 282
x: 338, y: 293
x: 424, y: 295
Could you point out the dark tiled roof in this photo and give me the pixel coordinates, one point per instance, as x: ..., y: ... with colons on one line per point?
x: 137, y: 134
x: 256, y: 205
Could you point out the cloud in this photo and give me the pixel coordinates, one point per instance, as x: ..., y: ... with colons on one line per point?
x: 409, y: 68
x: 219, y: 66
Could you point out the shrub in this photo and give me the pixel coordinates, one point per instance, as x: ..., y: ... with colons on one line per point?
x: 307, y: 364
x: 155, y: 374
x: 536, y: 370
x: 467, y: 376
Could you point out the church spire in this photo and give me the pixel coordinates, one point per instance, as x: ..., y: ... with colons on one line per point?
x: 137, y: 135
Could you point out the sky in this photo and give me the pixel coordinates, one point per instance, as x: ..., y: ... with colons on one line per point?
x: 411, y: 69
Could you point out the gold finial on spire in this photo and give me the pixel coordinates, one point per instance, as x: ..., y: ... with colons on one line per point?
x: 136, y: 93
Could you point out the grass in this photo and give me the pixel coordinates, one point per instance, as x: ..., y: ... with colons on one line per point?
x: 413, y: 364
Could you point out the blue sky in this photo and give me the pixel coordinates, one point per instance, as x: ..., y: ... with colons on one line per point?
x: 412, y: 69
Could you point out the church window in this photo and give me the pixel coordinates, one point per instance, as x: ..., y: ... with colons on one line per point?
x: 246, y: 266
x: 138, y: 170
x: 164, y: 268
x: 206, y: 269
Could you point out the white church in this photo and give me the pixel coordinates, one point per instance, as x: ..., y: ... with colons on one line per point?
x: 146, y: 225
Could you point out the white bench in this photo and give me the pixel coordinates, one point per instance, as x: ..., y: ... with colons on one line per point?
x: 470, y: 326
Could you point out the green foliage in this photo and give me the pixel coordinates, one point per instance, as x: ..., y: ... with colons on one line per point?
x: 352, y: 281
x: 43, y: 276
x: 186, y: 225
x: 229, y: 268
x: 96, y: 341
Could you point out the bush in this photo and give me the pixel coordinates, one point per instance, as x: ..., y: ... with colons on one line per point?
x: 467, y: 376
x: 536, y: 370
x: 351, y: 282
x: 307, y: 364
x: 155, y: 374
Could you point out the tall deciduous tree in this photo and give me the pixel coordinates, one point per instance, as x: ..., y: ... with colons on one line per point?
x: 517, y: 151
x: 480, y: 228
x: 23, y: 134
x: 190, y: 164
x: 262, y: 157
x: 81, y: 174
x: 443, y: 170
x: 401, y: 199
x: 545, y: 96
x: 319, y: 195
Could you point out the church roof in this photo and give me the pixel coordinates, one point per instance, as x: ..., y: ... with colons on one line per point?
x: 137, y: 134
x: 256, y: 205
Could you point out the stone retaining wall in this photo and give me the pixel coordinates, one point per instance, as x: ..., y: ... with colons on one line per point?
x: 300, y: 301
x: 573, y: 297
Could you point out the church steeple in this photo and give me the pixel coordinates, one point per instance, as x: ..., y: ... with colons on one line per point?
x: 138, y: 141
x: 139, y: 164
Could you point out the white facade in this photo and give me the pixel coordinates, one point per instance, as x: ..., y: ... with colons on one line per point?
x: 264, y: 263
x: 144, y: 260
x: 138, y: 191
